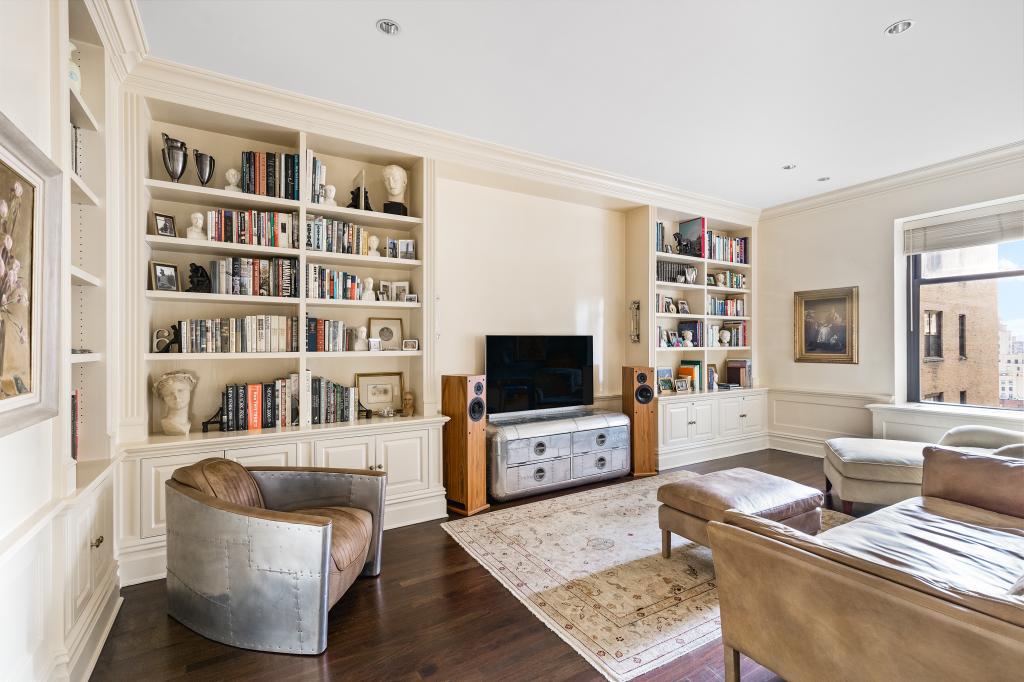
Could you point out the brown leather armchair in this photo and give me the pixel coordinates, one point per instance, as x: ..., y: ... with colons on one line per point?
x: 256, y: 557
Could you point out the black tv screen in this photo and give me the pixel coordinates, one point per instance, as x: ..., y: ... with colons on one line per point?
x: 539, y: 372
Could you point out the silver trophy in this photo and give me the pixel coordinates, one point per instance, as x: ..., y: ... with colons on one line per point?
x: 175, y: 155
x: 204, y: 167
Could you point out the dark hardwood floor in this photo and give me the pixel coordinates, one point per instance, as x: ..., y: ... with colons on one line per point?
x: 433, y: 614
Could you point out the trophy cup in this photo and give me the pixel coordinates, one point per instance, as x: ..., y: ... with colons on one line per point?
x: 204, y: 167
x: 175, y: 155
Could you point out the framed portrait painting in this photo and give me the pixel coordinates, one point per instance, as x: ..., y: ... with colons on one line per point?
x: 825, y: 325
x: 30, y: 225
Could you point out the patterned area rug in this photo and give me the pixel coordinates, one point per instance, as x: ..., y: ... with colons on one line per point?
x: 589, y: 566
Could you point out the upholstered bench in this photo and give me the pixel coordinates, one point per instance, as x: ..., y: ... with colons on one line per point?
x: 688, y: 506
x: 873, y: 470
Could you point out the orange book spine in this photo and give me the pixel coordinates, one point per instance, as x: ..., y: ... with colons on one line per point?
x: 255, y: 400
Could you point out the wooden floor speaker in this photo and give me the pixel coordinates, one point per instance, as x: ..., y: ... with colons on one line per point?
x: 639, y: 404
x: 463, y: 400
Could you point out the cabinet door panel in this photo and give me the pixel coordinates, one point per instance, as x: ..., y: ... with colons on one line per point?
x: 753, y: 411
x: 703, y: 415
x: 346, y: 453
x: 404, y: 457
x: 102, y: 554
x: 153, y: 473
x: 675, y: 424
x: 729, y: 411
x: 284, y: 455
x: 79, y: 528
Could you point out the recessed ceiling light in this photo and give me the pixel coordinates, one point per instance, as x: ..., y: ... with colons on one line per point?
x: 901, y: 26
x: 388, y: 27
x: 824, y: 178
x: 789, y: 166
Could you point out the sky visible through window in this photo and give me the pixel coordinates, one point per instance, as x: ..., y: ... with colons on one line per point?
x: 1011, y: 289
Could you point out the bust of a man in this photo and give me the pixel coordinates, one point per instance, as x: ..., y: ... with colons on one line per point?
x: 195, y: 226
x: 395, y: 181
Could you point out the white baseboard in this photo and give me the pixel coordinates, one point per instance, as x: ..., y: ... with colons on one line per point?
x: 801, y: 445
x: 83, y: 664
x: 703, y: 452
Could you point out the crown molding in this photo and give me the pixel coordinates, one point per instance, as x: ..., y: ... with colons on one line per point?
x: 170, y: 81
x: 972, y: 163
x: 120, y: 29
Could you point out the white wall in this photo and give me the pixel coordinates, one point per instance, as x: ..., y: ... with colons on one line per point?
x: 846, y: 244
x: 512, y: 263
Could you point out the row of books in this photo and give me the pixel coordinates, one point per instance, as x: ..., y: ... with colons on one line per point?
x: 668, y: 272
x: 737, y: 334
x: 332, y: 403
x: 75, y: 400
x: 255, y: 276
x: 733, y: 307
x: 249, y: 334
x: 260, y: 228
x: 261, y: 405
x: 270, y: 174
x: 733, y: 280
x: 329, y: 335
x: 336, y: 236
x: 316, y: 171
x: 738, y: 374
x: 327, y: 283
x: 724, y: 247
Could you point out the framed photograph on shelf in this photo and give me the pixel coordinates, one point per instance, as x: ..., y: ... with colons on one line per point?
x: 399, y: 290
x: 665, y: 384
x: 163, y: 277
x: 682, y: 384
x: 30, y: 288
x: 412, y: 298
x: 410, y: 344
x: 373, y: 344
x: 164, y: 225
x: 388, y: 330
x: 380, y: 389
x: 407, y: 249
x: 825, y: 325
x: 384, y: 291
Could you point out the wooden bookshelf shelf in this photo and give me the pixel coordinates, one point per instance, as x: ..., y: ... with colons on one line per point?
x: 348, y: 303
x: 85, y: 358
x: 164, y: 190
x: 81, y: 278
x: 171, y: 357
x: 177, y: 245
x: 81, y: 115
x: 365, y: 218
x: 727, y: 264
x: 188, y: 297
x: 330, y: 257
x: 80, y: 192
x: 729, y: 290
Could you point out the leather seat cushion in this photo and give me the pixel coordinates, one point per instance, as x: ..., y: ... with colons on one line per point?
x: 222, y: 478
x: 351, y: 530
x: 877, y: 459
x: 752, y: 492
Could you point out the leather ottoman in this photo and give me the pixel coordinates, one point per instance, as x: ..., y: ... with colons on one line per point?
x: 688, y: 506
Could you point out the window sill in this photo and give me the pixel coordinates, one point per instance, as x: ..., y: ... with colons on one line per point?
x: 934, y: 359
x: 1010, y: 416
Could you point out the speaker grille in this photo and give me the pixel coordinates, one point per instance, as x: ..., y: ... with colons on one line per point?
x: 476, y: 409
x: 644, y: 394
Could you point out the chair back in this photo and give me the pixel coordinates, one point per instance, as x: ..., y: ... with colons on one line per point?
x: 224, y: 479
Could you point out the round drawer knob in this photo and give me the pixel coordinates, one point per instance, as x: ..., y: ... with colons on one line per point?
x: 540, y: 449
x: 539, y: 475
x: 601, y: 439
x: 601, y: 462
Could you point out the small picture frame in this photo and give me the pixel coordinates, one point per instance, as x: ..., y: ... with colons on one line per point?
x: 373, y: 344
x: 407, y: 249
x: 410, y: 344
x: 673, y: 339
x: 665, y: 384
x: 163, y: 277
x: 669, y: 302
x: 399, y: 290
x: 380, y: 389
x: 412, y: 298
x: 384, y: 291
x: 388, y: 330
x: 684, y: 307
x: 163, y: 224
x: 682, y: 384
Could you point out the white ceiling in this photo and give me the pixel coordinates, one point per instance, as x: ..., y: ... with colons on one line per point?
x: 711, y: 97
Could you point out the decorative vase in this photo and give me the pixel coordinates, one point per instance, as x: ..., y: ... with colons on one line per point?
x: 74, y: 70
x: 175, y: 156
x: 204, y: 167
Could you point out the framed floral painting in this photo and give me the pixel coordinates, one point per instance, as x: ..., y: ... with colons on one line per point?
x: 30, y: 291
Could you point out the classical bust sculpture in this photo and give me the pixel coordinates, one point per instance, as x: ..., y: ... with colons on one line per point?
x: 175, y: 391
x: 395, y: 181
x: 373, y: 242
x: 195, y: 226
x: 361, y: 342
x: 329, y: 192
x: 688, y: 338
x: 233, y: 176
x: 368, y: 293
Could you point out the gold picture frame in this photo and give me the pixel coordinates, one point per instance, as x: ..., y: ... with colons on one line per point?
x: 365, y: 384
x: 825, y: 325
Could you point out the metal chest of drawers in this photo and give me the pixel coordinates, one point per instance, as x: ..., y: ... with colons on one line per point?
x: 530, y: 455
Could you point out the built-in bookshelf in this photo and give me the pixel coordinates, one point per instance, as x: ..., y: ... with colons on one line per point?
x: 691, y: 291
x: 346, y: 162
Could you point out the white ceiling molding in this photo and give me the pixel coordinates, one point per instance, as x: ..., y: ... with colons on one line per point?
x: 121, y: 26
x: 990, y: 158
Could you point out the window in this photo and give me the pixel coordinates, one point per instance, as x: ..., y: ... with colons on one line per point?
x: 932, y: 335
x: 962, y: 340
x: 963, y: 397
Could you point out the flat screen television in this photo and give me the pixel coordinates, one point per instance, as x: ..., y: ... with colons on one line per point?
x: 538, y: 372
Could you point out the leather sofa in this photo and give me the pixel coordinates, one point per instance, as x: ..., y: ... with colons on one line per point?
x: 257, y: 557
x: 930, y: 588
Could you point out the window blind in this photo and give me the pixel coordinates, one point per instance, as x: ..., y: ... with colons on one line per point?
x: 961, y: 230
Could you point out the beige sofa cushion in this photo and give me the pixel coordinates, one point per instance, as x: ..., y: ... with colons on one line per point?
x: 875, y: 459
x: 753, y: 492
x: 987, y: 481
x: 351, y: 530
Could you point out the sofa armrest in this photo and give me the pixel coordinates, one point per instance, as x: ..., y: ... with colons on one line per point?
x: 984, y: 481
x: 289, y: 488
x: 980, y: 437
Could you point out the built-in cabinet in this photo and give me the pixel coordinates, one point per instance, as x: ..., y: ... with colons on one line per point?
x: 704, y: 425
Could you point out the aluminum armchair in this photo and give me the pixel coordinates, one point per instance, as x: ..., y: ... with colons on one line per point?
x: 257, y: 557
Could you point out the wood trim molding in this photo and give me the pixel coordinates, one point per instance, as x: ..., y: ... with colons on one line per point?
x: 971, y: 163
x: 120, y: 28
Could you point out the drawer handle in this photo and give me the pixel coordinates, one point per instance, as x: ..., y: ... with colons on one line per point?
x: 692, y: 423
x: 539, y: 475
x: 540, y: 449
x: 743, y: 416
x: 97, y: 542
x: 601, y: 463
x: 601, y: 439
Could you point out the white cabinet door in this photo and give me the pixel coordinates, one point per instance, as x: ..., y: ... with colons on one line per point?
x: 753, y: 413
x: 702, y: 420
x: 403, y: 456
x: 675, y: 424
x: 153, y: 473
x: 729, y: 421
x: 79, y: 528
x: 285, y: 455
x: 101, y: 543
x: 346, y: 453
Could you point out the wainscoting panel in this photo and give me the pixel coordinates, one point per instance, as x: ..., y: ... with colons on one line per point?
x: 801, y: 420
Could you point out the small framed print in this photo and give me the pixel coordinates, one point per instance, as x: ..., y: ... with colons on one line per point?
x: 412, y: 298
x: 410, y: 344
x: 373, y: 343
x: 673, y: 339
x: 388, y: 330
x: 399, y: 290
x: 163, y: 277
x: 164, y: 225
x: 384, y: 291
x: 665, y: 384
x: 682, y: 384
x: 380, y: 389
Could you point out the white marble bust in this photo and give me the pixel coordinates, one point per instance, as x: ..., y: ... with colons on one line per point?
x: 373, y: 242
x: 330, y: 191
x: 195, y: 226
x: 368, y: 294
x: 175, y: 391
x: 361, y: 342
x: 395, y: 182
x: 232, y: 176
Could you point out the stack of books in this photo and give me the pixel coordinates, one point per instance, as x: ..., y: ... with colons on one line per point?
x: 255, y: 276
x: 249, y: 334
x: 270, y: 174
x: 260, y: 228
x: 336, y: 236
x: 738, y: 334
x: 317, y: 174
x: 693, y: 369
x: 732, y: 307
x: 332, y: 403
x: 328, y: 335
x: 724, y: 247
x: 260, y: 405
x: 324, y: 282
